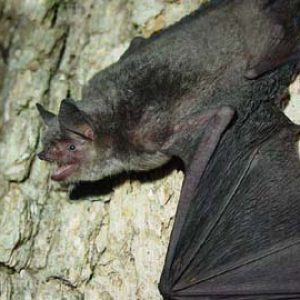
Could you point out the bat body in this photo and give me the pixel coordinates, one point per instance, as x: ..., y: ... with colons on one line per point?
x: 203, y: 90
x: 130, y: 111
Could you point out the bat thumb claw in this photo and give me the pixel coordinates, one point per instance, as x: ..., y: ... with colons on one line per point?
x: 251, y: 74
x: 226, y: 111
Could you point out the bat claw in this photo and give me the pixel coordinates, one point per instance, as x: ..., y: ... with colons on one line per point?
x: 251, y: 74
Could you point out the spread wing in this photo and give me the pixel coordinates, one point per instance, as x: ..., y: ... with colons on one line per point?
x: 237, y: 230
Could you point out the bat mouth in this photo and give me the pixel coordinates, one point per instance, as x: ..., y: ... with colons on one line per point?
x: 63, y: 171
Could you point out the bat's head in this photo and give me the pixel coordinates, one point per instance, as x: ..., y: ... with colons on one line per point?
x: 69, y: 143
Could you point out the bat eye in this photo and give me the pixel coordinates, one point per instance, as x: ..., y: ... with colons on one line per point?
x: 72, y: 147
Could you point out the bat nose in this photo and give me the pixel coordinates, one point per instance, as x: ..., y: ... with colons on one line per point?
x: 42, y: 155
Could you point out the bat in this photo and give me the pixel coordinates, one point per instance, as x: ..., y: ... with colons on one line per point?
x: 132, y: 109
x: 204, y: 90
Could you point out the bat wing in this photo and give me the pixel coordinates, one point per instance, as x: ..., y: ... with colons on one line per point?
x: 237, y: 230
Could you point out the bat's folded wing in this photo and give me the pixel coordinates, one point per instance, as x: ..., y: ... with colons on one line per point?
x: 237, y: 230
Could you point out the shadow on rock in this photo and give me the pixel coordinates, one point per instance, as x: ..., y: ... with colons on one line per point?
x: 85, y: 189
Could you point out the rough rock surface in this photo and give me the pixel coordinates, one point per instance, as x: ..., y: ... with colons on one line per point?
x: 107, y: 247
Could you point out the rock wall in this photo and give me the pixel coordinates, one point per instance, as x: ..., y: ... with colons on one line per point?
x: 107, y: 247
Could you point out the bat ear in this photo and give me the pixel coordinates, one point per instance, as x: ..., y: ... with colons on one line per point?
x: 72, y: 119
x: 46, y: 115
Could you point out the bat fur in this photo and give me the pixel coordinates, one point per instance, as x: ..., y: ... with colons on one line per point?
x: 130, y: 110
